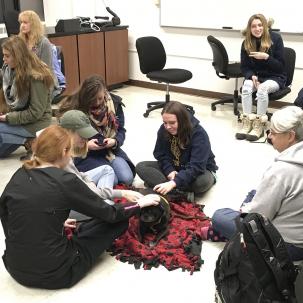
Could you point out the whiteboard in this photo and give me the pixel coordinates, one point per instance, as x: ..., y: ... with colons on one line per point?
x: 216, y: 14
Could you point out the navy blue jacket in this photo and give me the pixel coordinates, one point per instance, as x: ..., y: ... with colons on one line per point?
x: 195, y: 159
x: 271, y: 69
x: 97, y: 158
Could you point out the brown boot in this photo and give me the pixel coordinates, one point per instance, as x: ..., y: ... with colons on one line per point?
x: 258, y: 127
x: 246, y: 126
x: 28, y: 148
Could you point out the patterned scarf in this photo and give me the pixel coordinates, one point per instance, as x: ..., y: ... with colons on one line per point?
x: 175, y: 150
x: 109, y: 128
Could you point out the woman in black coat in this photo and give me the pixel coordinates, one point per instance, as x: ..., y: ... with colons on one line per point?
x: 34, y: 210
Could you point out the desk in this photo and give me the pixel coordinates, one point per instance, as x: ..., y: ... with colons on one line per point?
x: 87, y: 53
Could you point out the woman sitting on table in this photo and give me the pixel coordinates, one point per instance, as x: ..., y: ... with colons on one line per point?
x: 34, y: 210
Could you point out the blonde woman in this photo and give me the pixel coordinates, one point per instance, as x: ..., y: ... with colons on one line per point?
x: 32, y: 32
x: 26, y: 83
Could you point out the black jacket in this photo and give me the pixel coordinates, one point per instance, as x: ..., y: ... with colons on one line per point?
x: 33, y: 208
x: 271, y: 69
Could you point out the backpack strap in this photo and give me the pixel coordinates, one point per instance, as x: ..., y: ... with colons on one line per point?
x: 260, y: 233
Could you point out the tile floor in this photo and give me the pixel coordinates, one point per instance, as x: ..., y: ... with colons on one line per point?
x: 241, y: 165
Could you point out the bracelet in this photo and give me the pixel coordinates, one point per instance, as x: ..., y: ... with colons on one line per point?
x: 132, y: 206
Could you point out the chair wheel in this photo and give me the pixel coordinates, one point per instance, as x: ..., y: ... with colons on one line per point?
x: 145, y: 115
x: 213, y: 108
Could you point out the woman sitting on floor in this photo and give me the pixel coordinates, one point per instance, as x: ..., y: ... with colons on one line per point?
x: 279, y: 196
x: 26, y: 84
x: 106, y: 115
x: 34, y: 209
x: 185, y: 160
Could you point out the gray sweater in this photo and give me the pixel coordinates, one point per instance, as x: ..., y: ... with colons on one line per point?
x: 280, y: 194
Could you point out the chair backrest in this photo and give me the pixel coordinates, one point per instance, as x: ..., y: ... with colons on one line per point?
x: 220, y: 56
x: 152, y: 55
x: 11, y: 21
x: 290, y: 63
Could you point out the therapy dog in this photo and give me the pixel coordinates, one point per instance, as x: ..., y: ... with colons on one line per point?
x: 154, y: 219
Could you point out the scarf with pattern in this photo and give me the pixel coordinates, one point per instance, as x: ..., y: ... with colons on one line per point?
x: 109, y: 128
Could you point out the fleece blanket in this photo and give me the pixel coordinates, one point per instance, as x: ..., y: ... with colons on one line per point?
x: 181, y: 248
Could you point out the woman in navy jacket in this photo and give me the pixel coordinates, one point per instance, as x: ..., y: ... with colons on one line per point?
x: 106, y: 115
x: 262, y: 64
x: 185, y: 160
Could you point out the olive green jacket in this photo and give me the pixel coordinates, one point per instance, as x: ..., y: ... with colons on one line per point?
x: 38, y: 113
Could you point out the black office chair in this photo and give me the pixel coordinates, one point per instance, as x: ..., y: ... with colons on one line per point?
x: 290, y: 63
x: 152, y: 58
x: 226, y: 70
x: 11, y: 21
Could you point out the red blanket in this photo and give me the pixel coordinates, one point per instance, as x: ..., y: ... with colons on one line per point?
x: 181, y: 248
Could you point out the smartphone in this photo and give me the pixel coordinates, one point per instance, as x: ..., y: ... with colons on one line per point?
x: 101, y: 142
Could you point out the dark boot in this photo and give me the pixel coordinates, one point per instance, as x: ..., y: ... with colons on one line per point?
x: 28, y: 148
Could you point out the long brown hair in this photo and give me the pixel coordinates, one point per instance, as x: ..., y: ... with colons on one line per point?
x: 84, y: 97
x: 48, y: 146
x: 184, y: 123
x: 250, y: 43
x: 36, y: 27
x: 27, y: 65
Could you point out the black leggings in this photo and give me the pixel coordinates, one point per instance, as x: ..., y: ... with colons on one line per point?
x: 151, y: 174
x: 91, y: 240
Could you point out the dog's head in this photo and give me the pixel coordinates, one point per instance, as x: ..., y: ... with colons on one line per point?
x: 155, y: 214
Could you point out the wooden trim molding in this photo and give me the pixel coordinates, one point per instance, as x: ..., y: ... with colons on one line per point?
x: 193, y: 91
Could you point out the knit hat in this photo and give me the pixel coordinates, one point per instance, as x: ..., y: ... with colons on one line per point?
x: 79, y: 122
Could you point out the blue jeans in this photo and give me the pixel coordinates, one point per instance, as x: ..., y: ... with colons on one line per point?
x: 11, y: 137
x: 123, y: 173
x: 103, y: 176
x: 223, y: 222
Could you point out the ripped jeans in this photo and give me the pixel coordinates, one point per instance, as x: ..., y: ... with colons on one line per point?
x: 265, y: 88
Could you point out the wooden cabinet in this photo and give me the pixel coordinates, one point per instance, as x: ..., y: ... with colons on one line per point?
x: 116, y: 56
x: 70, y: 54
x: 91, y: 55
x: 104, y: 53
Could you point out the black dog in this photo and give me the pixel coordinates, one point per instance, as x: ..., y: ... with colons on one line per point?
x: 154, y: 219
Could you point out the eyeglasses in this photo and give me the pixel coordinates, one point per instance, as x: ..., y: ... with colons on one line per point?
x: 273, y: 133
x: 99, y: 107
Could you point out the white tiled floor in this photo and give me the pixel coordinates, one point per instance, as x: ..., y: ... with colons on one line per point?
x: 241, y: 165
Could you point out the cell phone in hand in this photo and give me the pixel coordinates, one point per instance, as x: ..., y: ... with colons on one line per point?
x: 101, y: 142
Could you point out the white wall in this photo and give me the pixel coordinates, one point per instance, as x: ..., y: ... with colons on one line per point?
x: 186, y: 48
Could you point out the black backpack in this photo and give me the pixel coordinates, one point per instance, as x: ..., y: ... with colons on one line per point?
x: 299, y: 99
x: 254, y: 265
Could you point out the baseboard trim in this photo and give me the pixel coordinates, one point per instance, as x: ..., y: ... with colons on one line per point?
x: 194, y: 91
